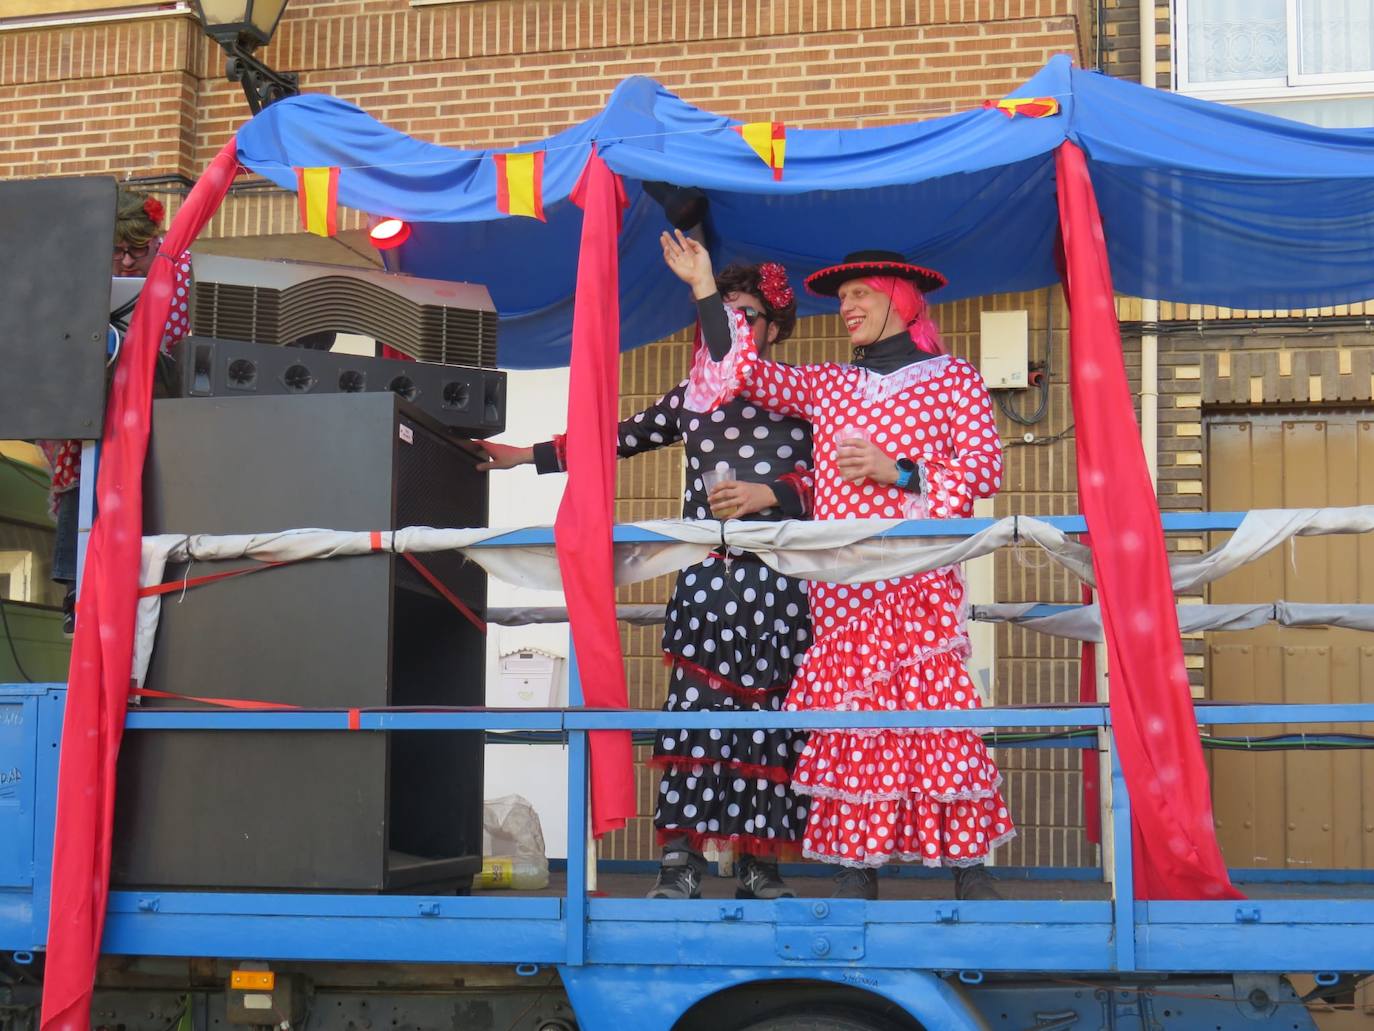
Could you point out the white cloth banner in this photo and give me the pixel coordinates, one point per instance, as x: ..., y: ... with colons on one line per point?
x: 839, y: 551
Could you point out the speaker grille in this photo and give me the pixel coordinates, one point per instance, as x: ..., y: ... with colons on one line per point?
x: 281, y: 302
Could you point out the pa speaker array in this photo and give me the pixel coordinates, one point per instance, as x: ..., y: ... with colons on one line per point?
x: 472, y: 401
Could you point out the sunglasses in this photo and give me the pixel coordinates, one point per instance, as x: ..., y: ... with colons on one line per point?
x: 750, y: 314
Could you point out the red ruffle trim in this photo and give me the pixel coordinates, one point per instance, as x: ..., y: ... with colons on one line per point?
x: 773, y: 774
x: 718, y: 683
x: 766, y: 848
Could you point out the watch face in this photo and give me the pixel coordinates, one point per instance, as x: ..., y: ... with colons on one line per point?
x: 906, y: 465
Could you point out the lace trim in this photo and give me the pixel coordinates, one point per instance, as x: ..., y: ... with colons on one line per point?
x: 874, y: 388
x: 863, y: 691
x: 710, y: 383
x: 910, y: 795
x: 874, y: 862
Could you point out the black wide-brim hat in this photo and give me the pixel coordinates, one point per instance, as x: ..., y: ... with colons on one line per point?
x: 827, y: 282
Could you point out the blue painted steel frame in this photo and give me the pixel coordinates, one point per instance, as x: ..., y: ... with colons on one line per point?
x: 1034, y: 936
x: 688, y: 948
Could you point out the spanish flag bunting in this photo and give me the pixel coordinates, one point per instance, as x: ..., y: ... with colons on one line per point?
x: 769, y: 140
x: 317, y: 193
x: 520, y: 184
x: 1030, y: 107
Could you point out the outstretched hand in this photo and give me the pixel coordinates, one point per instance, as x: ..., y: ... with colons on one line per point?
x: 690, y: 262
x: 504, y: 456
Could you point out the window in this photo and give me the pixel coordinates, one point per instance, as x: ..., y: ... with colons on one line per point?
x: 36, y: 14
x: 1311, y: 60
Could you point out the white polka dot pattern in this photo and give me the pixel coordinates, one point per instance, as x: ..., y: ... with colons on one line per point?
x: 896, y: 645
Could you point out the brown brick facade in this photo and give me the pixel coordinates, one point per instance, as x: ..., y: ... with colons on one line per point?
x: 146, y: 97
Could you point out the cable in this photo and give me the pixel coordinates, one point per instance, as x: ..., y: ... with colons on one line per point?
x: 9, y: 638
x: 1044, y: 373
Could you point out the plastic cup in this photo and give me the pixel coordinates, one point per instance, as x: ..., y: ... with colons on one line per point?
x: 712, y: 478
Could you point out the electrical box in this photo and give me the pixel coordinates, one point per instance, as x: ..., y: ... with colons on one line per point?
x: 530, y: 677
x: 1003, y: 347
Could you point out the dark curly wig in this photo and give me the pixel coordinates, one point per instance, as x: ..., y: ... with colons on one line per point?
x: 744, y: 279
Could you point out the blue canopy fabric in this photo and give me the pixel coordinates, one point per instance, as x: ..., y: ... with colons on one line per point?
x: 1200, y: 202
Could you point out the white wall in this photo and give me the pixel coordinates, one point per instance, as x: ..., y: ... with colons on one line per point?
x: 536, y: 409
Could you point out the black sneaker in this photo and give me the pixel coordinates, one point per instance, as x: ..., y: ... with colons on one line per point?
x: 759, y: 879
x: 679, y: 876
x: 975, y: 884
x: 855, y: 883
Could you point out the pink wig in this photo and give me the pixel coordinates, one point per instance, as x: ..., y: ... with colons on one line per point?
x: 910, y: 305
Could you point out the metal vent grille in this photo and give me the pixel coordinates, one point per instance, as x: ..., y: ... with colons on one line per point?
x: 281, y: 302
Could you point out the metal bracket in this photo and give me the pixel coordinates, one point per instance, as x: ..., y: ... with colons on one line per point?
x: 806, y: 930
x: 1247, y: 914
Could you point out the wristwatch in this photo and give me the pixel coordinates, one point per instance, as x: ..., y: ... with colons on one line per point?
x: 908, y: 477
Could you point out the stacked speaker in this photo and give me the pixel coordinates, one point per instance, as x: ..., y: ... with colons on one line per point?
x: 279, y: 810
x: 469, y: 400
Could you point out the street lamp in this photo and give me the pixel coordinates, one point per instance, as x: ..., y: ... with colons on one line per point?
x: 240, y: 27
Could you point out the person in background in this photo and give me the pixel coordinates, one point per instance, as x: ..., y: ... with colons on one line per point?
x: 137, y: 239
x: 904, y: 431
x: 735, y: 630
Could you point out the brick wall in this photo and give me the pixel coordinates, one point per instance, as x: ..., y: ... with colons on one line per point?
x: 146, y: 98
x: 1119, y: 41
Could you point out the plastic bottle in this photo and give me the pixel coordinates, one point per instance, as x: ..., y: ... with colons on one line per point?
x: 523, y: 873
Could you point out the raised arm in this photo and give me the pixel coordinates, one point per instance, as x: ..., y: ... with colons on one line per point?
x: 728, y: 364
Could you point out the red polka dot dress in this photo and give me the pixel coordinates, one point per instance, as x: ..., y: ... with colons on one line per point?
x: 901, y: 644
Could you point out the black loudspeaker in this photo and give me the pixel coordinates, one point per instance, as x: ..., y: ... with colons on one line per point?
x: 55, y: 295
x: 273, y: 810
x: 472, y: 401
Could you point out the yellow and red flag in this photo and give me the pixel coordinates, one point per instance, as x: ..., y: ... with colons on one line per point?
x: 769, y: 142
x: 1029, y: 107
x: 317, y: 193
x: 520, y: 184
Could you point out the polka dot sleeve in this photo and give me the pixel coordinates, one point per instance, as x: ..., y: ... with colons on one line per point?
x: 785, y: 389
x: 655, y: 427
x: 972, y: 467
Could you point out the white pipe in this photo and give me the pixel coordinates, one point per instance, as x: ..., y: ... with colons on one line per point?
x: 1149, y: 308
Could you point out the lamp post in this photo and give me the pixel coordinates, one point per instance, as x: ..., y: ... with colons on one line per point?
x: 240, y: 27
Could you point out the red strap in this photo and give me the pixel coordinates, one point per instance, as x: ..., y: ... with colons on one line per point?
x: 226, y: 703
x: 209, y: 578
x: 375, y: 540
x: 354, y: 719
x: 448, y: 595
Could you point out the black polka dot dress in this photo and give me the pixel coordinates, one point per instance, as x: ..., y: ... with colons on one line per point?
x: 734, y: 636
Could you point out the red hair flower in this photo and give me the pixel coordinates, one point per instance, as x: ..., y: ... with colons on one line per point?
x: 152, y: 207
x: 774, y: 286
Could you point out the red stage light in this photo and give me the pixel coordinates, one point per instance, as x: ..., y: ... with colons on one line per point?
x: 389, y: 233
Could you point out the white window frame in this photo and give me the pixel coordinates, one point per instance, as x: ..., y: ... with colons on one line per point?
x: 1292, y: 86
x: 17, y: 568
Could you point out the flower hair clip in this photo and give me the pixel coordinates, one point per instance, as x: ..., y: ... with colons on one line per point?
x: 774, y: 286
x: 152, y: 207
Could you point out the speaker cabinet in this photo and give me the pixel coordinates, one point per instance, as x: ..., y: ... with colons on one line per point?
x: 273, y: 810
x: 55, y: 294
x: 466, y: 399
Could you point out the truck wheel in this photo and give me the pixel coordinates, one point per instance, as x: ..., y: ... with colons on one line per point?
x: 845, y: 1019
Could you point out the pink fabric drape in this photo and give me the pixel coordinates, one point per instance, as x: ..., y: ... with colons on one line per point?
x: 98, y: 683
x: 1176, y: 850
x: 586, y: 516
